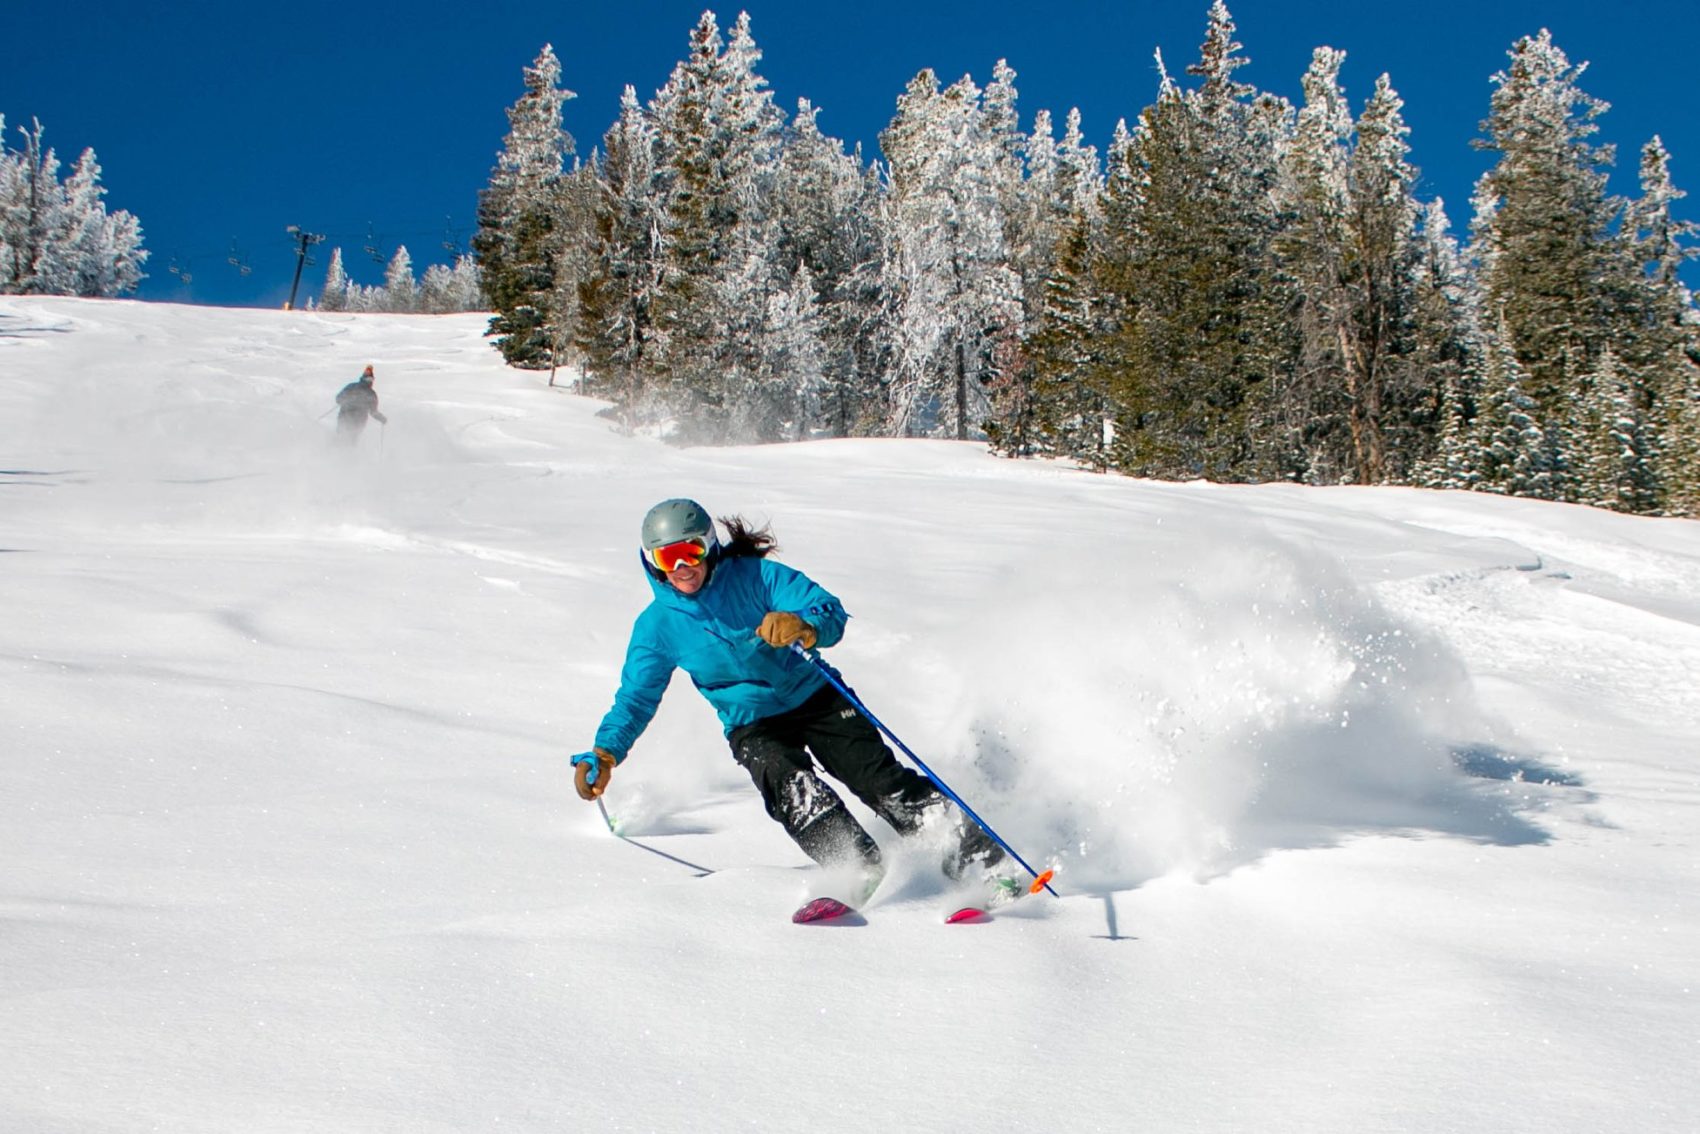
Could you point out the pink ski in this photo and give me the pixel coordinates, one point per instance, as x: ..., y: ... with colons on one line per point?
x: 821, y: 909
x: 1003, y: 892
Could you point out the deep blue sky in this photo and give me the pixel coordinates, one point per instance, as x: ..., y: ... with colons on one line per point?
x: 218, y: 124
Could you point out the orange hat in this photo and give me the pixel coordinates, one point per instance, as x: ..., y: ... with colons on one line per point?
x: 368, y: 369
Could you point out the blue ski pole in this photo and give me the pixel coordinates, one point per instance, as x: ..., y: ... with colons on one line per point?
x: 837, y: 680
x: 614, y: 829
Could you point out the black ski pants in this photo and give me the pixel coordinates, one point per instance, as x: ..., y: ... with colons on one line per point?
x: 777, y: 751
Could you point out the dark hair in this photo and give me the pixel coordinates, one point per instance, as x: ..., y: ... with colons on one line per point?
x: 743, y: 541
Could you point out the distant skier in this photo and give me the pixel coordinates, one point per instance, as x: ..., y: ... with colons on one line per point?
x: 354, y: 403
x: 727, y: 615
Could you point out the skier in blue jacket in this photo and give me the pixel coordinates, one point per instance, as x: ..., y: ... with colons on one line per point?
x: 727, y: 615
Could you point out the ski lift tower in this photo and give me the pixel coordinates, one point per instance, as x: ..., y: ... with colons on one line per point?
x: 306, y: 240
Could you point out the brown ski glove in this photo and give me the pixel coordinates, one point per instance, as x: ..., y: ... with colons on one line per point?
x: 779, y: 628
x: 591, y: 771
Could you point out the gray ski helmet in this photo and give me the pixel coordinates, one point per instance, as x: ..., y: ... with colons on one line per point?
x: 673, y: 520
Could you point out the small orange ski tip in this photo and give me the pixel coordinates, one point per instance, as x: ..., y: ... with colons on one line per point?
x: 1040, y: 882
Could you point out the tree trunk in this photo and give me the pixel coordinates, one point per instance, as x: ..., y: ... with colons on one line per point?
x: 961, y: 391
x: 1364, y: 416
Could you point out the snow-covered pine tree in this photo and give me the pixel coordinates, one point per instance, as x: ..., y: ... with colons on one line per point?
x: 1510, y: 451
x: 779, y: 383
x: 1619, y: 468
x: 29, y: 213
x: 1332, y: 413
x: 1034, y: 231
x: 717, y: 140
x: 959, y: 299
x: 401, y: 292
x: 574, y: 256
x: 795, y: 353
x: 449, y: 288
x: 334, y: 295
x: 617, y: 295
x: 867, y: 306
x: 696, y: 219
x: 755, y: 125
x: 1007, y: 154
x: 515, y: 239
x: 1039, y: 197
x: 74, y: 221
x: 913, y: 134
x: 468, y: 285
x: 1679, y: 428
x: 124, y: 241
x: 1201, y: 343
x: 1114, y: 268
x: 1001, y: 122
x: 1361, y: 402
x: 1023, y: 171
x: 1054, y: 205
x: 1661, y: 241
x: 1079, y: 181
x: 1452, y: 464
x: 98, y: 253
x: 828, y: 226
x: 1069, y: 408
x: 1446, y: 332
x: 1395, y: 392
x: 1669, y: 353
x: 1071, y: 413
x: 446, y: 288
x: 761, y: 401
x: 1550, y: 259
x: 435, y: 290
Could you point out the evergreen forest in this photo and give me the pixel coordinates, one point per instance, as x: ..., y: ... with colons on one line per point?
x: 1237, y: 288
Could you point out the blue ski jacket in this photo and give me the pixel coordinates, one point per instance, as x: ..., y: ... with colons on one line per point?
x: 711, y: 635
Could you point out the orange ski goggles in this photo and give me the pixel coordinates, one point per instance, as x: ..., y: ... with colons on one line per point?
x: 685, y: 553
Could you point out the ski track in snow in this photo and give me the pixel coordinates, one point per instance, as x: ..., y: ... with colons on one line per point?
x: 1375, y: 809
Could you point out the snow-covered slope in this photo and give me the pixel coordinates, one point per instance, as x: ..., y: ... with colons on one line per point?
x: 1373, y: 809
